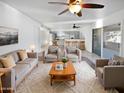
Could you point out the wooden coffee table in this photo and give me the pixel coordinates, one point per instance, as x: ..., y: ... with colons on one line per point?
x: 67, y: 74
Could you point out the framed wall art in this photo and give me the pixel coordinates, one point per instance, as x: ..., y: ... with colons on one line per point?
x: 8, y: 36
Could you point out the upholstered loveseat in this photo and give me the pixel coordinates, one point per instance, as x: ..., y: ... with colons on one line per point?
x: 13, y: 77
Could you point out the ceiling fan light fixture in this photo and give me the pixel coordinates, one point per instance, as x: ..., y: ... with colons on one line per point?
x: 75, y: 8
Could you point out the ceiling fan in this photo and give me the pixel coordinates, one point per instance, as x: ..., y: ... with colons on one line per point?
x: 75, y: 6
x: 75, y: 26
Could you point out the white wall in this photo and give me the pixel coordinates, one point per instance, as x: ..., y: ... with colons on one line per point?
x: 112, y: 19
x: 28, y: 29
x: 87, y: 33
x: 44, y: 37
x: 117, y: 17
x: 122, y: 38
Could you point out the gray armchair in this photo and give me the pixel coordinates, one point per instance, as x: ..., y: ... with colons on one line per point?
x: 51, y: 54
x: 110, y: 76
x: 73, y: 54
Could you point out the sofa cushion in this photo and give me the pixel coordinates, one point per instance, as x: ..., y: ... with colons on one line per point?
x: 118, y: 60
x: 52, y: 49
x: 71, y: 50
x: 8, y: 61
x: 21, y: 69
x: 30, y: 61
x: 15, y: 56
x: 51, y: 56
x: 100, y: 71
x: 22, y: 54
x: 72, y: 56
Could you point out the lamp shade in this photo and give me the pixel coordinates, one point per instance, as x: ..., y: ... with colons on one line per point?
x: 50, y: 43
x: 32, y: 47
x: 74, y: 8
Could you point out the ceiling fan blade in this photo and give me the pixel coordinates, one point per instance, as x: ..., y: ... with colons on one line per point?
x: 60, y: 3
x: 63, y: 11
x: 90, y: 5
x: 79, y: 14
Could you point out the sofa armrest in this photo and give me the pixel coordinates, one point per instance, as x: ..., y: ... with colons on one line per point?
x: 32, y: 54
x: 45, y: 52
x: 8, y: 81
x: 113, y: 76
x: 79, y: 54
x: 101, y: 62
x: 58, y: 53
x: 65, y: 52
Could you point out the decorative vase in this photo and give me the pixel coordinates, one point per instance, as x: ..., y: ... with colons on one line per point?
x: 64, y: 65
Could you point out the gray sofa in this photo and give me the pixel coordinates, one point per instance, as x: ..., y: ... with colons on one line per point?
x: 12, y: 78
x: 110, y: 76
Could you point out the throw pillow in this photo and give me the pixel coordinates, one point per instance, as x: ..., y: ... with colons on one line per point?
x: 110, y: 62
x: 119, y: 59
x: 22, y: 54
x: 8, y: 61
x: 116, y: 60
x: 52, y: 49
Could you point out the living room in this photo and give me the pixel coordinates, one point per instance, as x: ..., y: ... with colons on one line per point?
x: 34, y: 23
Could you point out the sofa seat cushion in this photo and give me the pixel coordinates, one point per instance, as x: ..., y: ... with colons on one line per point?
x: 27, y: 60
x: 21, y: 69
x: 30, y: 61
x: 72, y: 56
x: 51, y: 60
x: 100, y: 72
x: 51, y: 56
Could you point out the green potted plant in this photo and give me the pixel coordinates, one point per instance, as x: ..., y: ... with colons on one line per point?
x: 64, y: 60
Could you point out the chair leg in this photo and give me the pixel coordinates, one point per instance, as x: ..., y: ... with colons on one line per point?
x: 95, y: 73
x: 37, y: 65
x: 105, y: 88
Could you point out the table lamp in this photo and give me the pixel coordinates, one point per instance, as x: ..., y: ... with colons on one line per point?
x: 32, y: 47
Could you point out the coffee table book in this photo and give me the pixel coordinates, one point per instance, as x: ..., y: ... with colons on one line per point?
x: 59, y: 66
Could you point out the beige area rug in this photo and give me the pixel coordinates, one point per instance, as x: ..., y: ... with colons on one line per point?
x: 86, y: 82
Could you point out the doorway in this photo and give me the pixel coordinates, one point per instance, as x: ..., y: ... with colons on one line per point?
x: 96, y: 41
